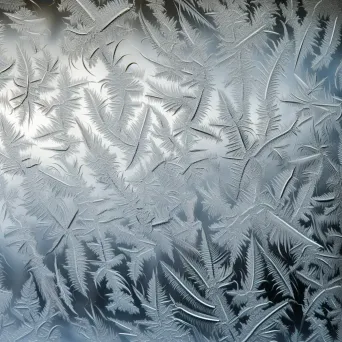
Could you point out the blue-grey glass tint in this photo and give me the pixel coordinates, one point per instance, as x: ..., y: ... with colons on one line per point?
x: 170, y: 170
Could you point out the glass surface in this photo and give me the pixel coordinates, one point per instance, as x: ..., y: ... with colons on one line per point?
x: 170, y: 170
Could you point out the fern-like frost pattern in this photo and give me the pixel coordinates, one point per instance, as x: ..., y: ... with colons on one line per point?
x: 171, y: 170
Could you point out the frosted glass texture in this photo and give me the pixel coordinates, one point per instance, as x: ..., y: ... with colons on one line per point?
x: 170, y: 170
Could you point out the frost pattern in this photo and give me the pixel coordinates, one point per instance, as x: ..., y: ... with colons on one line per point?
x: 171, y: 170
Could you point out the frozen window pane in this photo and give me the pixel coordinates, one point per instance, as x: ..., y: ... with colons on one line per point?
x: 170, y: 170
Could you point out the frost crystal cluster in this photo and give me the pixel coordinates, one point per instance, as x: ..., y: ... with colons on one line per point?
x: 171, y: 170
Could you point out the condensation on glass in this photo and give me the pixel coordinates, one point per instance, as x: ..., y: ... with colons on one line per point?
x: 170, y: 170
